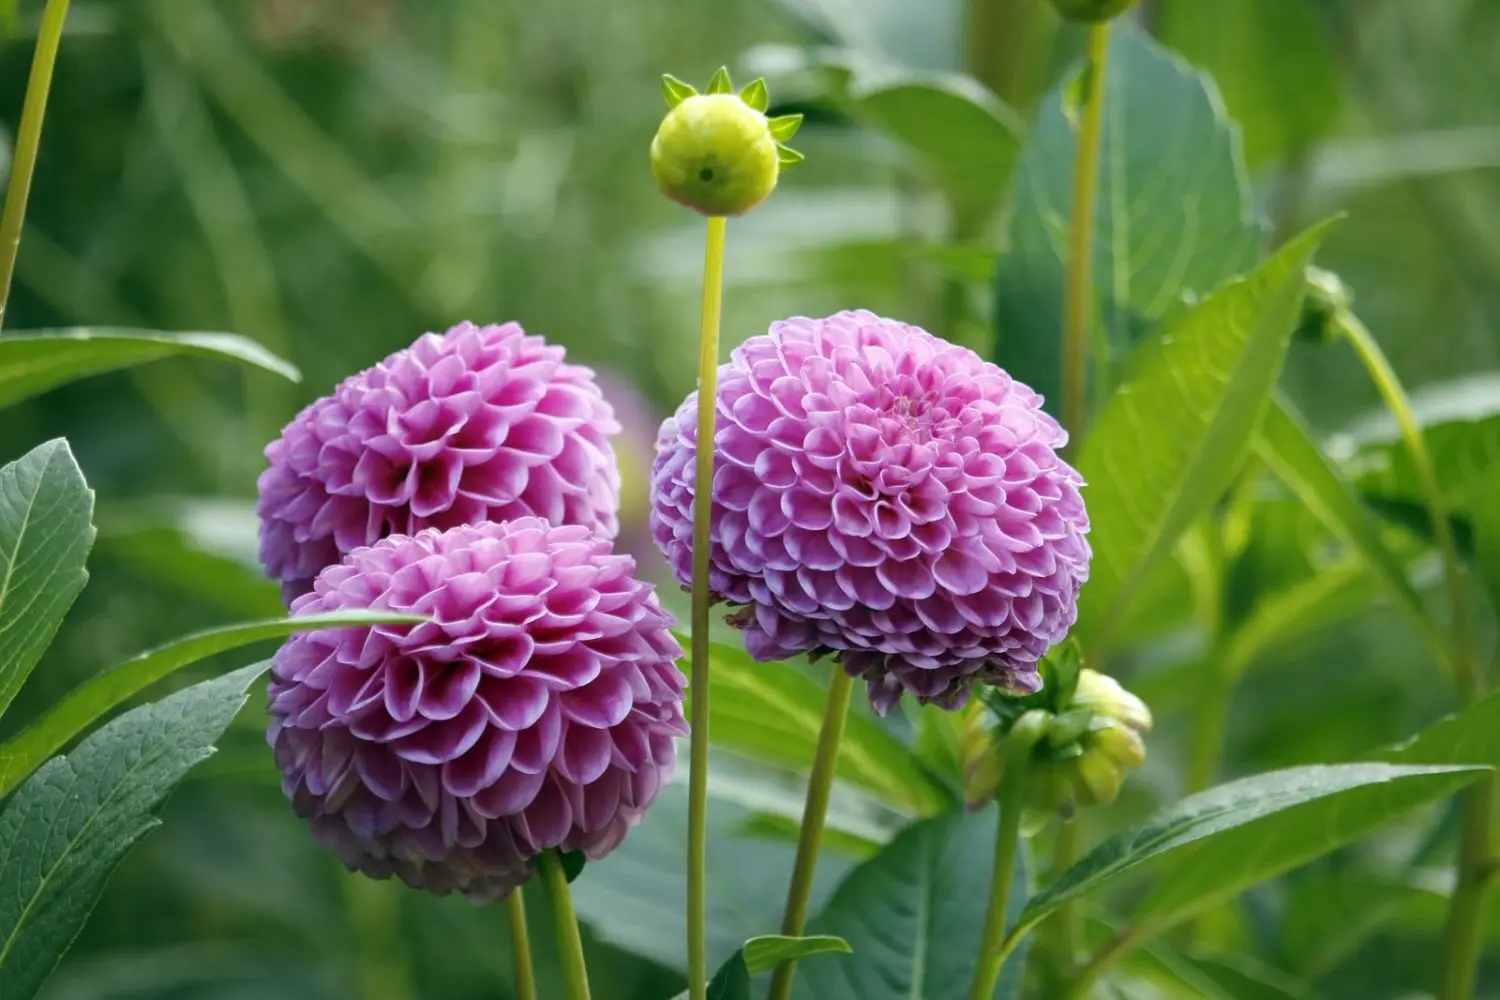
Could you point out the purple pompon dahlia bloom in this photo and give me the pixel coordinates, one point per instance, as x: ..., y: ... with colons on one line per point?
x: 887, y: 496
x: 482, y: 423
x: 536, y: 710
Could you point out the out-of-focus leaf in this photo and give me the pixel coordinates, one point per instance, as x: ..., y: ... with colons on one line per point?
x: 1241, y: 978
x: 1487, y: 535
x: 1173, y: 213
x: 772, y: 713
x: 1197, y: 397
x: 1248, y: 831
x: 1284, y: 616
x: 1464, y: 449
x: 1471, y: 736
x: 1271, y: 59
x: 66, y: 829
x: 1329, y: 914
x: 46, y: 529
x: 762, y: 954
x: 913, y: 915
x: 91, y: 700
x: 35, y: 361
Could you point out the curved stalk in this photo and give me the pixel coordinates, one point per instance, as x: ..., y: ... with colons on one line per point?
x: 814, y: 814
x: 565, y: 921
x: 995, y: 945
x: 708, y: 374
x: 28, y: 141
x: 520, y: 945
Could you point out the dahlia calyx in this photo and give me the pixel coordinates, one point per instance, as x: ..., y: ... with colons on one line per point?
x: 482, y: 423
x: 887, y: 496
x: 536, y: 709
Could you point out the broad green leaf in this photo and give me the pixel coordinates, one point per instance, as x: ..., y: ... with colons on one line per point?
x: 46, y: 529
x: 762, y: 954
x: 1287, y: 448
x: 1242, y: 833
x: 913, y: 915
x: 34, y: 361
x: 1174, y: 213
x: 1272, y: 60
x: 1463, y: 451
x: 66, y: 829
x: 89, y: 702
x: 1197, y: 396
x: 1471, y: 736
x: 772, y: 713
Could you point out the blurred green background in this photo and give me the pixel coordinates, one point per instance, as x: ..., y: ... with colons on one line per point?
x: 334, y: 177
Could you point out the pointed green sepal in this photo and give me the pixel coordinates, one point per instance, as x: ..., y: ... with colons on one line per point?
x: 788, y: 157
x: 756, y: 95
x: 720, y: 84
x: 785, y: 126
x: 675, y: 90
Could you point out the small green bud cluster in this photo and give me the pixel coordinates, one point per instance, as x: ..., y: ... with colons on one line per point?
x: 1083, y: 731
x: 718, y: 153
x: 1092, y: 11
x: 1327, y: 299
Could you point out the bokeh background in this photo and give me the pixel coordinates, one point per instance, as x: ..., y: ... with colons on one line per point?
x: 334, y: 177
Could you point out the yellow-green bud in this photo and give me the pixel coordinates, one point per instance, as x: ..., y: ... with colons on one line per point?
x: 1092, y: 10
x: 1103, y: 696
x: 718, y: 153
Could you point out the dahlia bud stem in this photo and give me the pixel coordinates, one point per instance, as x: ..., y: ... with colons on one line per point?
x: 520, y: 944
x: 1013, y: 788
x: 569, y: 943
x: 28, y: 140
x: 814, y: 815
x: 708, y: 373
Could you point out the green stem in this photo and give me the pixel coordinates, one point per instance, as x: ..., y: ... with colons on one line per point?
x: 520, y: 945
x: 814, y: 814
x: 1078, y: 303
x: 1062, y: 928
x: 1463, y: 930
x: 569, y: 943
x: 996, y: 945
x: 708, y: 374
x: 28, y: 141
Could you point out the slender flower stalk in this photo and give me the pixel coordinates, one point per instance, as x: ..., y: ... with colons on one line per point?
x: 814, y: 814
x: 708, y: 370
x: 520, y: 944
x: 565, y: 922
x: 28, y: 141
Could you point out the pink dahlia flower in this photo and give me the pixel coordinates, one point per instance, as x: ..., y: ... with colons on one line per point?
x: 536, y: 710
x: 482, y: 423
x: 887, y: 496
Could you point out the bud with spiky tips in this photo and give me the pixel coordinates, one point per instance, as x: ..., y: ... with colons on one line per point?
x: 717, y: 152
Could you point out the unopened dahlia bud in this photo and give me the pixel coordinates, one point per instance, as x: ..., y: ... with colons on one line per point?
x: 482, y: 423
x: 718, y: 153
x: 1327, y: 299
x: 885, y: 496
x: 1101, y: 694
x: 536, y: 709
x: 1092, y: 11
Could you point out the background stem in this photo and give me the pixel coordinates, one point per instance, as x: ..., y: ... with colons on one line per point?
x: 569, y: 943
x: 1012, y: 803
x: 708, y: 372
x: 1061, y: 929
x: 28, y: 141
x: 814, y: 814
x: 520, y: 943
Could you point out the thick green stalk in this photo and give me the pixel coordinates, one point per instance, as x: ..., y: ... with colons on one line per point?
x: 814, y: 814
x: 996, y: 946
x: 708, y: 376
x: 1061, y: 931
x: 1078, y: 302
x: 569, y: 943
x: 28, y: 141
x: 520, y: 946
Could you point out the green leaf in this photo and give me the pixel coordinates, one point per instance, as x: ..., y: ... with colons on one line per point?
x: 1487, y: 536
x: 913, y: 916
x: 755, y: 95
x: 66, y: 829
x: 1240, y: 834
x: 720, y: 84
x: 1464, y: 447
x: 788, y: 157
x: 36, y: 361
x: 1281, y: 617
x: 676, y: 91
x: 1174, y: 214
x: 46, y: 529
x: 784, y: 127
x: 1471, y: 736
x: 762, y: 954
x: 88, y: 702
x: 1287, y: 448
x: 772, y: 713
x: 1196, y: 397
x: 966, y: 138
x: 1272, y: 60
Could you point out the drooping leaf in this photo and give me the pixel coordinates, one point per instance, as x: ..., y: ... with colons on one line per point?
x: 1197, y: 397
x: 1232, y: 837
x: 66, y: 829
x: 34, y: 361
x: 91, y: 700
x: 762, y: 954
x: 1174, y: 213
x: 46, y: 529
x: 913, y: 915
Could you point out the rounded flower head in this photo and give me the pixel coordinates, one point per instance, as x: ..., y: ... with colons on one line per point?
x: 536, y: 710
x: 478, y: 424
x: 885, y: 495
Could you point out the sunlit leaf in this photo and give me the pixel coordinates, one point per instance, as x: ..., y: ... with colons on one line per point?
x: 720, y: 84
x: 762, y: 954
x: 755, y: 95
x: 675, y: 90
x: 1197, y: 397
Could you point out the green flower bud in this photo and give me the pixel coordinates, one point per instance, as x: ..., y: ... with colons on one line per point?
x: 1327, y: 299
x: 1103, y: 696
x: 1092, y: 11
x: 718, y: 153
